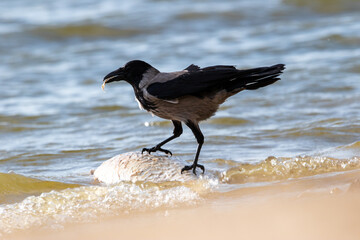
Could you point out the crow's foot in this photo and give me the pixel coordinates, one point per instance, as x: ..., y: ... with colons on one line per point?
x: 193, y: 167
x: 154, y: 149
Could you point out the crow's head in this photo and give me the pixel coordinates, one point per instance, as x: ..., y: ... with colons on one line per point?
x: 132, y: 72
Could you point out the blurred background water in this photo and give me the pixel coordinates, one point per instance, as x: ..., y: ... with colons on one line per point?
x: 56, y: 124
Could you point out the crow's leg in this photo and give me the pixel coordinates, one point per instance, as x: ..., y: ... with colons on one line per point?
x: 177, y: 132
x: 200, y: 139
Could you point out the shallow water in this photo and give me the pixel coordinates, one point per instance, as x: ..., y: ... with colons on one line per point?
x: 56, y: 124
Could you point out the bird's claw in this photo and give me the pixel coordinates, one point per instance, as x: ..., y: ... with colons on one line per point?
x: 154, y: 149
x: 193, y: 167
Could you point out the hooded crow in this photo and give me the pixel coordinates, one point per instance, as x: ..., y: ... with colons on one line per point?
x: 189, y: 96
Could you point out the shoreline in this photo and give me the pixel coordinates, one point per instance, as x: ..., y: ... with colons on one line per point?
x: 323, y: 207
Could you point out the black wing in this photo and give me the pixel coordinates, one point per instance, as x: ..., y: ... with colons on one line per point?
x: 195, y: 81
x: 199, y: 80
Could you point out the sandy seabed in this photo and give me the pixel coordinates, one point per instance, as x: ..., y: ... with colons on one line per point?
x: 325, y: 207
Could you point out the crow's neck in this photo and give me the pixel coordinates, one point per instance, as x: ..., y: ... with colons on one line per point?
x: 148, y: 77
x: 141, y: 82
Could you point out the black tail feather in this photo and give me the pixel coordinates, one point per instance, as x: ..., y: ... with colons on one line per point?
x: 255, y: 78
x: 261, y: 77
x: 262, y: 83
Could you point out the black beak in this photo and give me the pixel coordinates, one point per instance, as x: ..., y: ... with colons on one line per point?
x: 116, y: 75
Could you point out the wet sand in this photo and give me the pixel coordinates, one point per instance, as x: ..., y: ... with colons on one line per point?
x: 322, y: 207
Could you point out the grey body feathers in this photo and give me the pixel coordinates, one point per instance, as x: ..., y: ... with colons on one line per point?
x: 183, y: 108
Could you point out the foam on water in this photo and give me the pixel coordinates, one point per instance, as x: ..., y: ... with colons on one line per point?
x: 84, y: 204
x: 275, y: 169
x: 134, y: 182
